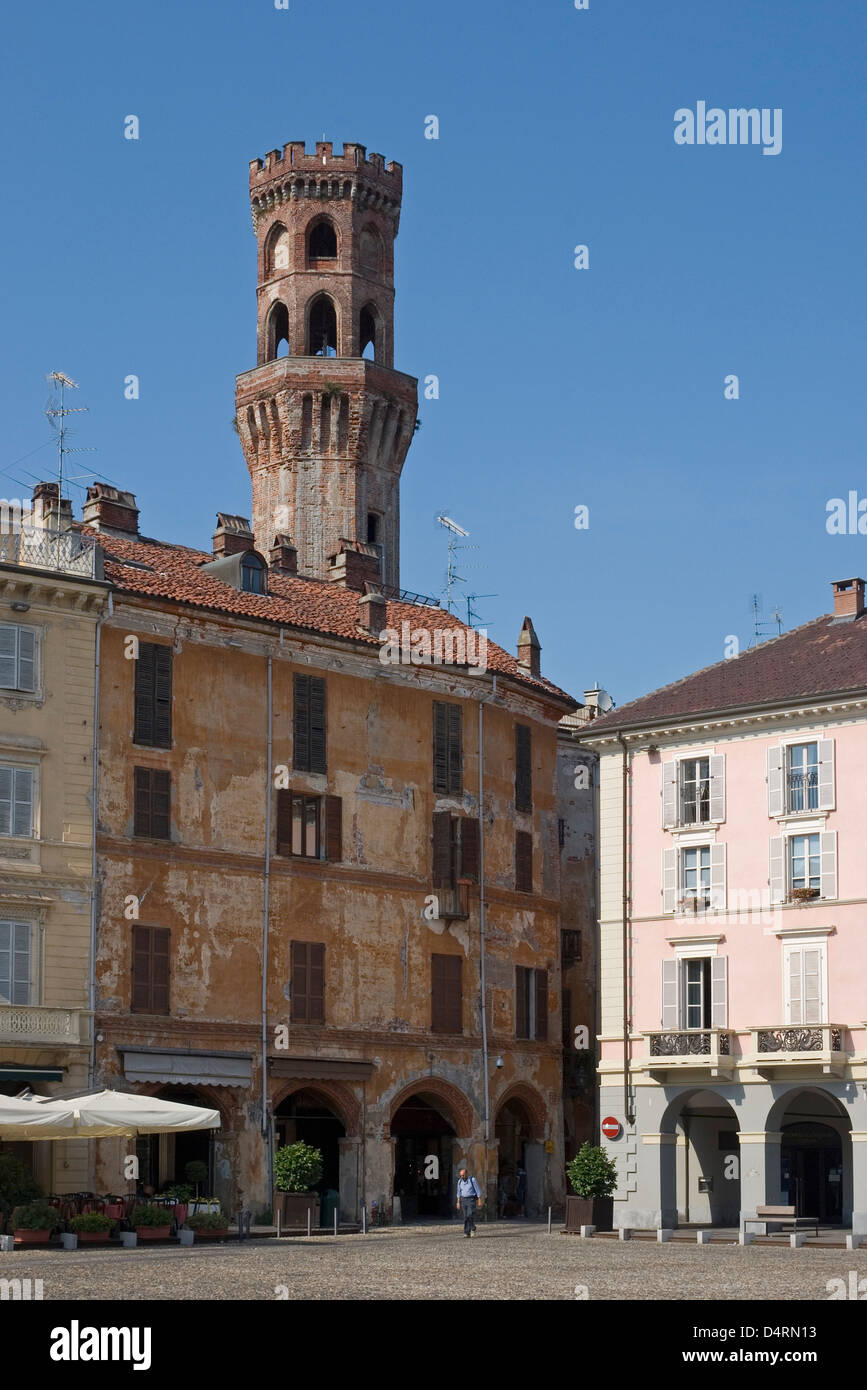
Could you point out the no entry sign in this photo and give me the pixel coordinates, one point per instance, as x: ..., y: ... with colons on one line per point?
x: 611, y: 1127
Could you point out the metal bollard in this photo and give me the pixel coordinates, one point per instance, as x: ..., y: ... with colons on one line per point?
x: 363, y: 1220
x: 278, y: 1223
x: 549, y: 1221
x: 309, y: 1223
x: 335, y: 1221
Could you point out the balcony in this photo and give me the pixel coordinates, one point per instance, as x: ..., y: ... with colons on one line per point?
x: 454, y: 903
x: 706, y: 1049
x: 37, y: 1025
x: 793, y: 1048
x: 66, y: 552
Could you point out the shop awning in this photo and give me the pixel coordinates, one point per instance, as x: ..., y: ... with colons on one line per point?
x: 179, y: 1067
x: 309, y: 1068
x: 24, y: 1073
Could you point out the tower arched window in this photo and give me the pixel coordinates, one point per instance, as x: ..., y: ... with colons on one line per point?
x: 369, y: 333
x: 322, y: 242
x: 277, y: 332
x: 277, y: 250
x: 322, y: 328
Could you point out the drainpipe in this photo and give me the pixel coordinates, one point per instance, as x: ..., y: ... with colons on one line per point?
x: 267, y: 895
x: 630, y: 1118
x: 482, y: 924
x: 94, y: 820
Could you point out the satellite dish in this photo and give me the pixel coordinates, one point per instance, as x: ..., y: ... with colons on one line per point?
x: 604, y: 701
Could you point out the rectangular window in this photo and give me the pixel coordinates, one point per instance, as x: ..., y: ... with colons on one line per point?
x: 695, y: 876
x: 14, y: 962
x: 694, y: 791
x: 570, y: 946
x: 298, y: 817
x: 456, y: 849
x: 802, y: 777
x: 150, y: 970
x: 531, y: 1003
x: 17, y: 657
x: 523, y: 768
x: 696, y: 992
x: 523, y: 861
x: 16, y: 802
x: 805, y: 864
x: 153, y: 695
x: 307, y: 982
x: 805, y: 984
x: 309, y: 724
x: 446, y: 994
x: 152, y: 791
x: 447, y: 749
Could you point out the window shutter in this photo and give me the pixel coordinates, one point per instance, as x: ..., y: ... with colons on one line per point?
x: 334, y: 828
x: 316, y: 982
x: 442, y: 850
x: 669, y: 880
x: 440, y: 748
x: 470, y: 848
x: 446, y: 994
x: 6, y: 775
x: 828, y: 863
x: 566, y: 1016
x: 541, y: 1005
x: 160, y: 804
x: 669, y: 795
x: 777, y: 877
x: 8, y: 653
x: 14, y: 962
x: 162, y: 717
x: 141, y: 969
x: 718, y: 787
x: 670, y: 1002
x: 26, y: 659
x: 776, y: 791
x: 522, y: 1001
x: 523, y: 861
x: 22, y: 814
x: 523, y: 768
x: 142, y: 801
x: 299, y: 985
x: 826, y: 774
x: 794, y: 1001
x: 718, y: 991
x: 160, y: 937
x: 718, y: 876
x: 317, y: 724
x: 301, y: 723
x: 812, y: 985
x: 456, y: 758
x: 284, y: 822
x: 145, y: 677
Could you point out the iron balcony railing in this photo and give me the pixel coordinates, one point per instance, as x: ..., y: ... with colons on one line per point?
x: 803, y: 789
x: 32, y: 547
x: 692, y: 1042
x: 820, y: 1037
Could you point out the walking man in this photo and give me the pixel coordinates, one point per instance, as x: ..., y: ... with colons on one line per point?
x: 469, y: 1197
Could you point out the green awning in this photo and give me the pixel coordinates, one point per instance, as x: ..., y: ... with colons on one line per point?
x: 31, y: 1073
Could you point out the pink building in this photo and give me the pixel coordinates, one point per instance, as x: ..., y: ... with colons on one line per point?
x: 733, y: 933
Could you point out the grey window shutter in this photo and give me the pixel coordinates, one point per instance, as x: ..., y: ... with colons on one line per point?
x: 718, y: 991
x: 22, y: 824
x: 5, y: 800
x: 777, y: 870
x: 718, y: 877
x: 795, y: 1002
x: 20, y: 963
x: 776, y: 797
x: 669, y: 880
x: 718, y: 787
x: 670, y: 1002
x: 669, y: 795
x: 8, y: 651
x: 826, y: 774
x: 812, y: 991
x: 828, y: 862
x: 26, y: 659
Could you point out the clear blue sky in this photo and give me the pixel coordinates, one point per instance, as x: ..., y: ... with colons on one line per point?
x: 558, y: 387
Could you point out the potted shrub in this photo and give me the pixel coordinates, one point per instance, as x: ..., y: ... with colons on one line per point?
x: 151, y: 1222
x: 17, y: 1186
x: 296, y: 1168
x: 209, y: 1225
x: 593, y: 1177
x: 34, y: 1223
x: 92, y: 1227
x: 196, y: 1173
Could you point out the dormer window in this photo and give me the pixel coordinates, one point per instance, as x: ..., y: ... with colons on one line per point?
x: 253, y: 574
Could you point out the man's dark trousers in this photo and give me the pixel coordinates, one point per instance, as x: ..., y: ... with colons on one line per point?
x: 468, y: 1208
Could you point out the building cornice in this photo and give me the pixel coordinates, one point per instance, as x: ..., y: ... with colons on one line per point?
x: 722, y: 721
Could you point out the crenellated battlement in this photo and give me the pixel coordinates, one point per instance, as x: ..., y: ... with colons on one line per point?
x: 325, y: 164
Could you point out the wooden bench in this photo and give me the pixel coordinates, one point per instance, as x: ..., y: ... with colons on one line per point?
x: 784, y: 1217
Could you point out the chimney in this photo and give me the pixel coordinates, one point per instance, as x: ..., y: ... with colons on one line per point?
x: 46, y: 513
x: 529, y: 650
x: 848, y: 599
x: 109, y: 510
x: 355, y: 565
x: 372, y: 610
x: 591, y: 703
x: 232, y: 536
x: 283, y: 555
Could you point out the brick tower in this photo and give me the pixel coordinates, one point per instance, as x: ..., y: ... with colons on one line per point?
x: 324, y: 419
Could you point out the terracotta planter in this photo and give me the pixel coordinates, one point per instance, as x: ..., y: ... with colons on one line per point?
x: 93, y: 1237
x: 293, y: 1208
x: 32, y: 1237
x: 153, y: 1232
x: 203, y: 1233
x: 589, y: 1211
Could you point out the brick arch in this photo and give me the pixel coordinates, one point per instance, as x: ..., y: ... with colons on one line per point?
x: 337, y: 1097
x: 448, y: 1099
x: 532, y: 1103
x: 231, y: 1115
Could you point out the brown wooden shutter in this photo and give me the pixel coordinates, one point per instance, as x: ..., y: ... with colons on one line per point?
x: 442, y: 850
x: 316, y: 982
x: 334, y: 828
x: 162, y: 696
x: 141, y: 970
x: 144, y: 693
x: 446, y: 994
x: 301, y: 723
x: 456, y: 759
x: 317, y: 724
x: 160, y: 939
x: 523, y: 861
x: 522, y: 1001
x: 142, y: 801
x: 470, y: 848
x: 541, y: 1005
x: 440, y: 748
x: 161, y: 796
x: 284, y: 822
x: 299, y: 985
x: 566, y: 1014
x: 523, y: 768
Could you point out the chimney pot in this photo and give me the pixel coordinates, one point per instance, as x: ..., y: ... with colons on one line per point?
x: 283, y: 556
x: 232, y: 536
x: 355, y: 565
x: 108, y: 509
x: 372, y: 610
x: 529, y: 649
x: 848, y: 599
x: 47, y: 512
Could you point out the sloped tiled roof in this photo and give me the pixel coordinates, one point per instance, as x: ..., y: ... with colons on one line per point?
x: 155, y: 569
x: 820, y: 659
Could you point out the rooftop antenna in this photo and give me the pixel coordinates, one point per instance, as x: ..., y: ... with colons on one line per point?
x: 452, y: 576
x: 56, y: 412
x: 473, y: 618
x: 761, y: 628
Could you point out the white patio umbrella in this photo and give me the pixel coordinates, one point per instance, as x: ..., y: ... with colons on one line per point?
x: 115, y: 1114
x: 23, y: 1118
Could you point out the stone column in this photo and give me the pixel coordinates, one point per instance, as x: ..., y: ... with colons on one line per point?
x: 658, y: 1154
x: 536, y: 1165
x: 349, y: 1179
x: 859, y: 1181
x: 760, y: 1171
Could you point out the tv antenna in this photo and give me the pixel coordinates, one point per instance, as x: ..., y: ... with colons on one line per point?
x: 761, y: 628
x: 452, y: 577
x: 56, y: 412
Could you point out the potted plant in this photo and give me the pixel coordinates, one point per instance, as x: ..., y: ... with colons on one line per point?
x: 593, y: 1177
x: 209, y: 1225
x: 34, y: 1223
x: 196, y: 1172
x: 151, y: 1222
x: 92, y: 1227
x: 17, y: 1186
x: 296, y: 1168
x: 802, y: 895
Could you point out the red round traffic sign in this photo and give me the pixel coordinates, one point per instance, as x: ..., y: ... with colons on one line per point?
x: 611, y: 1127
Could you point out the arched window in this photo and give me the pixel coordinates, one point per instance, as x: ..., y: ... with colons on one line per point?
x: 322, y: 242
x: 277, y: 249
x: 277, y: 332
x: 369, y: 340
x: 322, y: 328
x: 370, y: 250
x: 253, y: 574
